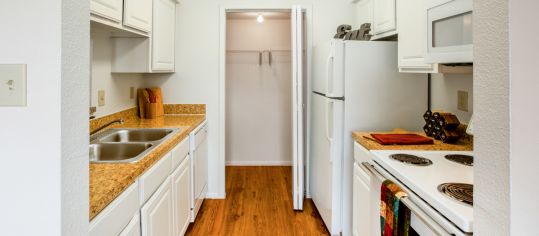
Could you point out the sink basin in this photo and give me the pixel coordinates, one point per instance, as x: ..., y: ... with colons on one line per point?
x: 126, y: 145
x: 135, y: 135
x: 118, y: 152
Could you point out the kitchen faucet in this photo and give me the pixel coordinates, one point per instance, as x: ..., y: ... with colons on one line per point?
x: 120, y: 121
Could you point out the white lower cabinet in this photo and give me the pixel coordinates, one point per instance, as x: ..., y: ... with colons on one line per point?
x: 361, y: 211
x: 157, y: 217
x: 361, y: 203
x: 133, y: 228
x: 180, y: 189
x: 157, y: 204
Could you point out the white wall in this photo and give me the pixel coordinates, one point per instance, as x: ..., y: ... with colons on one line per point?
x: 444, y: 89
x: 259, y: 98
x: 116, y: 86
x: 248, y: 34
x: 524, y: 98
x: 38, y: 149
x: 197, y: 59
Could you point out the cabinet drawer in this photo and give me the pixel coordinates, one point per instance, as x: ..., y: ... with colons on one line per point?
x: 179, y: 153
x: 154, y: 177
x: 114, y: 218
x: 361, y: 154
x: 200, y: 136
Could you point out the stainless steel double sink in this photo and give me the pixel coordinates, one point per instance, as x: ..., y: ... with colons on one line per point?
x: 126, y: 145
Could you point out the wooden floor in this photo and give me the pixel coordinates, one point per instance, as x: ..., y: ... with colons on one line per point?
x: 258, y: 202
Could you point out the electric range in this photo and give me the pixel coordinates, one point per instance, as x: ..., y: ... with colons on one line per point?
x: 441, y: 179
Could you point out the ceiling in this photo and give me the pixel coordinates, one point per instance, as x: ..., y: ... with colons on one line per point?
x: 252, y: 15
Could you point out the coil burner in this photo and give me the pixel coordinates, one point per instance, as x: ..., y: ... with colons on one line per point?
x: 411, y: 159
x: 462, y: 159
x: 458, y: 191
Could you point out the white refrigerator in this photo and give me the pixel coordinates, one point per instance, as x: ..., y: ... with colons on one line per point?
x: 361, y: 89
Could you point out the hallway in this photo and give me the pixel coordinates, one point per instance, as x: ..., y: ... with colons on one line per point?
x: 258, y: 202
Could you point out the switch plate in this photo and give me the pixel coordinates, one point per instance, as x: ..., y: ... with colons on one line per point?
x: 101, y: 98
x: 462, y: 100
x: 13, y: 85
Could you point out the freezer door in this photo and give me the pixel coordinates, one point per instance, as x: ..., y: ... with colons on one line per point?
x: 335, y: 70
x: 326, y: 159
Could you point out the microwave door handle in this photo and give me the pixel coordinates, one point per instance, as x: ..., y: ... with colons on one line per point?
x: 329, y: 74
x: 421, y: 215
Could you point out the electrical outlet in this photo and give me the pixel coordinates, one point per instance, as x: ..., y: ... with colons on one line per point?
x: 131, y: 92
x: 101, y: 98
x: 462, y: 100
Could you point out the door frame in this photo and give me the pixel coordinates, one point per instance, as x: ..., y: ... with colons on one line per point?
x: 224, y: 9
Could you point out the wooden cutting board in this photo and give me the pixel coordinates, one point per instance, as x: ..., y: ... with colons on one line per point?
x: 147, y: 109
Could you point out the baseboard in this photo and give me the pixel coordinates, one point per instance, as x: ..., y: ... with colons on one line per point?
x: 258, y: 163
x: 214, y: 196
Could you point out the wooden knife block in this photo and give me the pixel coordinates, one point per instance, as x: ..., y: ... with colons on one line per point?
x: 148, y: 110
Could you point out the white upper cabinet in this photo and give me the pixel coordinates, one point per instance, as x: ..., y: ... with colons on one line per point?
x: 365, y: 13
x: 149, y: 55
x: 138, y: 14
x: 164, y: 14
x: 109, y: 9
x: 385, y: 18
x: 412, y: 23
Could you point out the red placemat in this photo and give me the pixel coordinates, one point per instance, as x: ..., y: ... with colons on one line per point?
x: 401, y: 139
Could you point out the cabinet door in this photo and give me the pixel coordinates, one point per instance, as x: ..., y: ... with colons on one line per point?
x: 156, y: 215
x: 133, y: 228
x: 361, y: 203
x: 138, y: 14
x: 412, y: 21
x: 182, y: 208
x: 365, y: 12
x: 109, y: 9
x: 385, y: 18
x: 164, y: 14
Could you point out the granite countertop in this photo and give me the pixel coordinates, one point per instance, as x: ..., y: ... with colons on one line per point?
x: 108, y: 181
x: 464, y: 144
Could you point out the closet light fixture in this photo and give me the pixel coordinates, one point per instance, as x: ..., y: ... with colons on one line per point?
x: 260, y: 18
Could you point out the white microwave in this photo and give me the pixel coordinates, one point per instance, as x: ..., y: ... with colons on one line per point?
x: 449, y: 33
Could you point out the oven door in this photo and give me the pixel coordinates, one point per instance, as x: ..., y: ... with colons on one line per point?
x: 449, y: 32
x: 425, y: 221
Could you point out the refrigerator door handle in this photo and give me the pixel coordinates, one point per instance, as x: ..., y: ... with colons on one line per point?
x: 329, y: 74
x: 329, y: 123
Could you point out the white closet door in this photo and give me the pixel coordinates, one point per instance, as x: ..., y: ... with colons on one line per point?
x: 297, y: 106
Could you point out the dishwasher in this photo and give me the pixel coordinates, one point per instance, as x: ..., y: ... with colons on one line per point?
x: 198, y: 154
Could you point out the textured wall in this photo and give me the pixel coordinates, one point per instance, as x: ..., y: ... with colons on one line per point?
x: 491, y: 103
x: 74, y: 101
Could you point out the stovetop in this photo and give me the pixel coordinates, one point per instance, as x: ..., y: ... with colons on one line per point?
x: 425, y: 180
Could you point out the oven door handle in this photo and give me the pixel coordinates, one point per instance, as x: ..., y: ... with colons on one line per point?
x: 421, y: 215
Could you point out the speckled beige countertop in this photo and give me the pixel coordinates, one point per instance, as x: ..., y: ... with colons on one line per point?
x: 108, y: 181
x: 464, y: 144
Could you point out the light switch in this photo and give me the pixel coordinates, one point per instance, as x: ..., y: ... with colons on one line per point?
x: 13, y: 85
